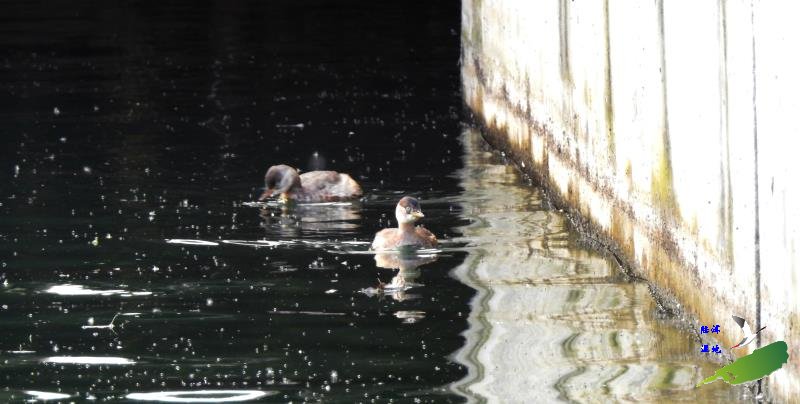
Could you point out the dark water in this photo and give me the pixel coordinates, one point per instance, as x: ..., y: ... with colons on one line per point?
x: 133, y: 137
x: 137, y: 123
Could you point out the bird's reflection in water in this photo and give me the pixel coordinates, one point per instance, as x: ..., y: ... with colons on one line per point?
x: 407, y: 265
x: 292, y: 220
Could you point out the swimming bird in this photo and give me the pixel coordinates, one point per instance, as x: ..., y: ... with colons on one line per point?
x: 407, y: 212
x: 749, y: 335
x: 313, y: 186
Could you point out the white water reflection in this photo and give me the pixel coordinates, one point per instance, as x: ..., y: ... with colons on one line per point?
x: 410, y: 316
x: 191, y: 242
x: 45, y: 395
x: 259, y: 243
x: 80, y: 290
x: 333, y: 247
x: 89, y: 360
x: 420, y: 253
x: 200, y: 396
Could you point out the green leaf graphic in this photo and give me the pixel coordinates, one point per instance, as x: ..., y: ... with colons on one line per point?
x: 758, y: 364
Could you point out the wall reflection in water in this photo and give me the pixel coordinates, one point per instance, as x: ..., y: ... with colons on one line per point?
x: 553, y: 320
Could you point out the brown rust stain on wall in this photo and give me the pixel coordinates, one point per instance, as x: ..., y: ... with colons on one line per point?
x: 662, y: 189
x: 661, y: 262
x: 622, y: 230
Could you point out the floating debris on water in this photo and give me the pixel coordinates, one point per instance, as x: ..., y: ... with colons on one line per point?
x: 109, y: 326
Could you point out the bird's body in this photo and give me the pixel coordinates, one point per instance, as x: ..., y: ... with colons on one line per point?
x: 406, y: 234
x: 313, y: 186
x: 326, y: 186
x: 749, y: 335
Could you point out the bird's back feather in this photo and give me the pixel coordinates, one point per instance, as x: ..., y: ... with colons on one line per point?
x: 327, y: 186
x: 428, y: 239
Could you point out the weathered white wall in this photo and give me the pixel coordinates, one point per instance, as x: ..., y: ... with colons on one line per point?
x: 671, y: 127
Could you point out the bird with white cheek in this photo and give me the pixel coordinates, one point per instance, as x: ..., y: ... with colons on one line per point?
x: 407, y: 212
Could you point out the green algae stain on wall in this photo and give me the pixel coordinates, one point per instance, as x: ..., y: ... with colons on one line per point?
x: 758, y: 364
x: 663, y: 193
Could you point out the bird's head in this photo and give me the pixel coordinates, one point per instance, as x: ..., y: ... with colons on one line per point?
x: 408, y: 210
x: 279, y: 179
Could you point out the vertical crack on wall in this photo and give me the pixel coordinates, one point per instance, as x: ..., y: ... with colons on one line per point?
x: 609, y: 100
x: 662, y: 182
x: 726, y: 192
x: 563, y: 37
x: 757, y: 235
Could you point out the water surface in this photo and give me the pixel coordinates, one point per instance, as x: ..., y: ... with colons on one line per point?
x: 135, y: 266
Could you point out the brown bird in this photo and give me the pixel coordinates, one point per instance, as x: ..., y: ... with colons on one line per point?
x: 406, y: 234
x: 313, y: 186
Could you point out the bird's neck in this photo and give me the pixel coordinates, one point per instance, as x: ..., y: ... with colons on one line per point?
x: 297, y: 185
x: 406, y: 227
x: 297, y: 192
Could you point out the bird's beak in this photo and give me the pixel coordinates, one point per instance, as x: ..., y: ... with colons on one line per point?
x: 417, y: 213
x: 267, y: 193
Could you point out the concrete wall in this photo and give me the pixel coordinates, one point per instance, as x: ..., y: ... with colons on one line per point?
x: 670, y: 128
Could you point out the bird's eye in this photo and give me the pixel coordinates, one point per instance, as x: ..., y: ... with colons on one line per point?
x: 408, y: 210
